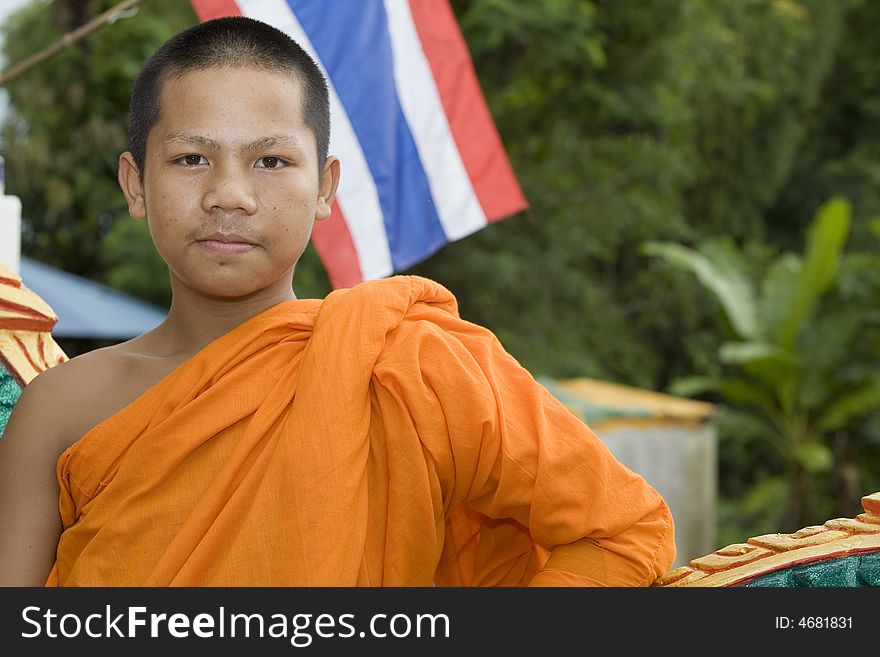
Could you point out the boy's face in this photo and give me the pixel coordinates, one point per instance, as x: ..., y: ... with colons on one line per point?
x: 231, y: 186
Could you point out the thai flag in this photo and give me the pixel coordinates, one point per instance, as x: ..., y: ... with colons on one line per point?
x: 422, y: 161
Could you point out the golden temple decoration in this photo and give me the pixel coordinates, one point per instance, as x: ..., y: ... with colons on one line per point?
x: 740, y: 563
x: 26, y: 344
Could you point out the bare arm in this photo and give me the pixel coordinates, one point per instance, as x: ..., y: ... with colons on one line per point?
x: 30, y: 523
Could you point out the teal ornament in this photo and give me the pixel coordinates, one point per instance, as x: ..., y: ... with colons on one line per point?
x: 10, y: 391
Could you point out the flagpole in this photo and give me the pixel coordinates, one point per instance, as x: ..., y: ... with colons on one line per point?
x: 111, y: 15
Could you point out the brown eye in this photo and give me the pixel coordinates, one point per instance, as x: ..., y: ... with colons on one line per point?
x: 192, y: 160
x: 270, y: 162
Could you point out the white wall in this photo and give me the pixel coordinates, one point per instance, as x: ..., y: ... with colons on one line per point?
x: 10, y: 232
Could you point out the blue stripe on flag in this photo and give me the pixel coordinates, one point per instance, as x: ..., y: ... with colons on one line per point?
x: 352, y: 41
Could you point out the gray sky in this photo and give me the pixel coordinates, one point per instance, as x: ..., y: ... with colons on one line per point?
x: 8, y: 6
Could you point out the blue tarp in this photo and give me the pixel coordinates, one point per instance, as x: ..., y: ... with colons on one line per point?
x: 87, y: 309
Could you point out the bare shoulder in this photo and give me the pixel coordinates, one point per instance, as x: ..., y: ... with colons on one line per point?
x: 70, y: 398
x: 91, y: 366
x: 35, y: 433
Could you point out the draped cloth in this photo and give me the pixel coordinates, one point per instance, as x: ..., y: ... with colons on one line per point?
x: 372, y: 438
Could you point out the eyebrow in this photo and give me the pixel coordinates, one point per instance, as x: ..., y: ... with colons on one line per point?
x: 259, y: 144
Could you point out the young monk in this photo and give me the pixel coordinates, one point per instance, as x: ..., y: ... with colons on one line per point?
x: 372, y: 438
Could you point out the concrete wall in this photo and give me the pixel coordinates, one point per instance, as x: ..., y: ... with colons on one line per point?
x: 680, y: 462
x: 10, y: 232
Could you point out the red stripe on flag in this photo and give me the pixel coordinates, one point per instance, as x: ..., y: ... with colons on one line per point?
x: 208, y: 9
x: 473, y: 129
x: 333, y: 242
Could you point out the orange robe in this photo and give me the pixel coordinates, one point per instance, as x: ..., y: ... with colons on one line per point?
x: 370, y: 439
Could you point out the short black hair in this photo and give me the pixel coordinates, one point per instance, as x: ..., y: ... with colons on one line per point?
x: 230, y: 41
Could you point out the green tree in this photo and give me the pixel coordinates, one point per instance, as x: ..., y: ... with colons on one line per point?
x: 788, y: 364
x: 627, y: 122
x: 133, y: 264
x: 67, y: 125
x: 842, y: 154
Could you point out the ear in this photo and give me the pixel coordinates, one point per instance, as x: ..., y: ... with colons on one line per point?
x: 130, y: 181
x: 327, y: 191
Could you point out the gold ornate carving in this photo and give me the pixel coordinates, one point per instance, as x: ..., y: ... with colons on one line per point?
x: 801, y: 538
x: 761, y: 555
x: 26, y: 345
x: 730, y: 556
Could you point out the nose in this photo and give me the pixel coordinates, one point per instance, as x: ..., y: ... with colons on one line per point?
x: 230, y: 190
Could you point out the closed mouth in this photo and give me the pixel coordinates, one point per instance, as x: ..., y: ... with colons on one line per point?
x: 227, y: 238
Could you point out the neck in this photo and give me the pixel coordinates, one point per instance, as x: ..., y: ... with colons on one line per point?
x: 195, y: 320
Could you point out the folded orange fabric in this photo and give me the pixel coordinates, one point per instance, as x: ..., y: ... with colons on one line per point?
x: 372, y: 438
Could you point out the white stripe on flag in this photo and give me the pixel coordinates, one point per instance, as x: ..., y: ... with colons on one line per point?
x: 454, y: 198
x: 357, y: 195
